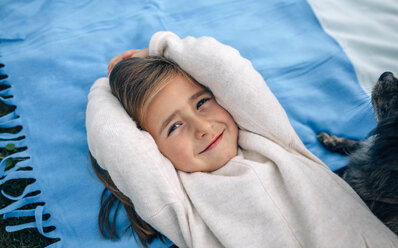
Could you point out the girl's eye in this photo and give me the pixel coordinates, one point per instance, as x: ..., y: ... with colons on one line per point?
x: 173, y: 127
x: 201, y: 102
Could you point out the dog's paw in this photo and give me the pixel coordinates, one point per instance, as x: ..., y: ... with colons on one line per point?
x: 327, y: 140
x: 337, y: 144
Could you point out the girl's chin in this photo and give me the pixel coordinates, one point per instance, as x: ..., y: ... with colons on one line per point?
x: 210, y: 166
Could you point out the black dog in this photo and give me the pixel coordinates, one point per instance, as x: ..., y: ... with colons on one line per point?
x: 372, y: 170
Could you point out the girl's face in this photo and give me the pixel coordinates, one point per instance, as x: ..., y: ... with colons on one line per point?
x: 190, y: 128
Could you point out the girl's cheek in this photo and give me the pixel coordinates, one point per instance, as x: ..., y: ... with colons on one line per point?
x: 178, y: 147
x: 216, y: 108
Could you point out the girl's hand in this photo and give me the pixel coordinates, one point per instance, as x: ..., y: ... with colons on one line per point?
x: 127, y: 54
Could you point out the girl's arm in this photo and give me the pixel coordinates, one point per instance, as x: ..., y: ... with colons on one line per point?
x: 237, y: 86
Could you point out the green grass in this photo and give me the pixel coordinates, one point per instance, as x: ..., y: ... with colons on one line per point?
x: 28, y: 237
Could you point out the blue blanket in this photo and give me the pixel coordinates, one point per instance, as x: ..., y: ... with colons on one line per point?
x: 54, y: 50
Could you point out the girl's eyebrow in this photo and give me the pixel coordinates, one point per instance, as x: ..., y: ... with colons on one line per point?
x: 198, y: 94
x: 171, y: 117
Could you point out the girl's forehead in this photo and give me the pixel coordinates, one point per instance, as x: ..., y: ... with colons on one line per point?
x: 178, y: 88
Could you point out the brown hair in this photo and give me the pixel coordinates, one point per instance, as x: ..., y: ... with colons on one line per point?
x: 134, y: 82
x: 146, y: 234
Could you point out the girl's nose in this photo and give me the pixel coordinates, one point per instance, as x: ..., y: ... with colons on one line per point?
x: 202, y: 128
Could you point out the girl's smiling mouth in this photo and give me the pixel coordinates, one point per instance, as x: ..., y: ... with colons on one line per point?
x: 214, y: 143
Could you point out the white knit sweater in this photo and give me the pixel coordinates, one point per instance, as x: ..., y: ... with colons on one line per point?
x: 275, y: 193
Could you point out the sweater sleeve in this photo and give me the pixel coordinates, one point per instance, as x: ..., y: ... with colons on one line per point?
x: 237, y: 86
x: 135, y: 164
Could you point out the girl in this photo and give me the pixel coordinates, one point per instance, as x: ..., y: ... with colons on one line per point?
x: 216, y: 171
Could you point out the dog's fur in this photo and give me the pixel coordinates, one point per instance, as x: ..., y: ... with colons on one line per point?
x: 372, y: 170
